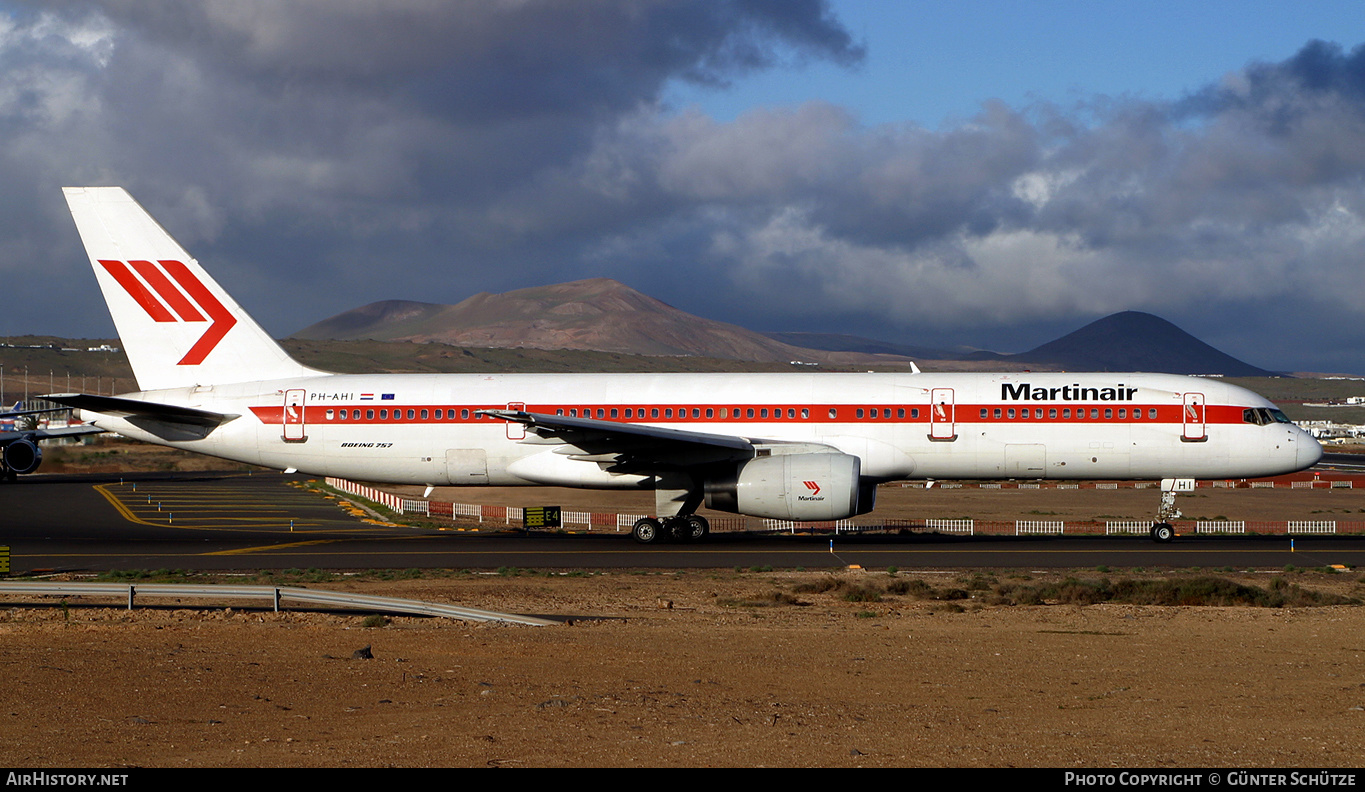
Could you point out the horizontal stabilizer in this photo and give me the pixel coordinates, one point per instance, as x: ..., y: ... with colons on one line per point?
x: 136, y: 408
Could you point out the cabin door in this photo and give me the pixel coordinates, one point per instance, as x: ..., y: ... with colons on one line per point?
x: 1195, y: 426
x: 515, y: 429
x: 293, y: 415
x: 942, y: 414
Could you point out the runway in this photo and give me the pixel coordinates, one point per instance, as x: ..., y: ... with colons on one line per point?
x: 236, y: 521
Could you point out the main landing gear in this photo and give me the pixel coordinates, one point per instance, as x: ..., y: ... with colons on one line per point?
x: 682, y: 528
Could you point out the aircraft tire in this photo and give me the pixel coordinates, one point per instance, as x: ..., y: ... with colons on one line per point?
x: 647, y: 530
x: 1163, y: 532
x: 699, y: 527
x: 677, y: 529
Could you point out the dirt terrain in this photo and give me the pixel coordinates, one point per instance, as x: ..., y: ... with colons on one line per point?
x: 713, y: 667
x: 700, y: 668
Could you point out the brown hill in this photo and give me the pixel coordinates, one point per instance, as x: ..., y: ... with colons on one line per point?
x: 603, y: 315
x: 597, y: 314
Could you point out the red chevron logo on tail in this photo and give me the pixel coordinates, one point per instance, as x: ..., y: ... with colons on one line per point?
x: 178, y: 295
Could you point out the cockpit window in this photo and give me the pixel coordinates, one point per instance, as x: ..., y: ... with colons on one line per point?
x: 1262, y: 416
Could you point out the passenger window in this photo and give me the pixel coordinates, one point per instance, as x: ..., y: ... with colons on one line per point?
x: 984, y: 412
x: 710, y: 412
x: 900, y: 412
x: 749, y: 413
x: 424, y: 415
x: 996, y: 413
x: 833, y: 413
x: 914, y: 412
x: 1108, y: 412
x: 412, y: 414
x: 1123, y: 414
x: 601, y: 413
x: 630, y: 413
x: 464, y: 415
x: 696, y: 412
x: 668, y: 412
x: 805, y: 413
x: 613, y: 412
x: 1066, y: 413
x: 1094, y: 413
x: 763, y: 413
x: 329, y: 415
x: 860, y: 412
x: 383, y: 415
x: 1151, y: 413
x: 1010, y: 413
x: 369, y: 415
x: 441, y: 414
x: 1052, y: 412
x: 654, y: 412
x: 791, y: 412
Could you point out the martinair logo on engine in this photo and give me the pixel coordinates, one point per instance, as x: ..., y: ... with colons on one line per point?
x: 179, y: 291
x: 814, y: 492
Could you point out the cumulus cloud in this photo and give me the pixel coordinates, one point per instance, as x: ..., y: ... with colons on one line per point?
x: 324, y: 153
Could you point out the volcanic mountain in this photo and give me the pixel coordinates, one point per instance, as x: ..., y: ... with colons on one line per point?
x: 607, y: 316
x: 598, y: 314
x: 1131, y: 341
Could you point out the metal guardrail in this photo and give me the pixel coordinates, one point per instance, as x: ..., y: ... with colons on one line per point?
x: 274, y: 594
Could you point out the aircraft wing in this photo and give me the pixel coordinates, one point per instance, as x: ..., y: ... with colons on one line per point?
x: 42, y: 434
x: 628, y: 448
x: 632, y: 448
x: 16, y: 412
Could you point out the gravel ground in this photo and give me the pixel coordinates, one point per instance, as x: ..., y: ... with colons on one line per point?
x: 701, y: 668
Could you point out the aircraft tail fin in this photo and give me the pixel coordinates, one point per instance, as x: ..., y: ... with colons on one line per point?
x: 179, y: 328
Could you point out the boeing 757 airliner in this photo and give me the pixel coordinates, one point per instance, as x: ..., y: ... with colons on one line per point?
x: 798, y: 446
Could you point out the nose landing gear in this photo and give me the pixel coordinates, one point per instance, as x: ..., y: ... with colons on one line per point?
x: 1162, y: 530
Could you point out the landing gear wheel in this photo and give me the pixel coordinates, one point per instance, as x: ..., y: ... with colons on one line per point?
x: 678, y: 529
x: 647, y: 530
x: 698, y: 527
x: 1163, y: 532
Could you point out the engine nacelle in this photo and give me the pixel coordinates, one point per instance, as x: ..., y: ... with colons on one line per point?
x: 792, y: 487
x: 23, y: 456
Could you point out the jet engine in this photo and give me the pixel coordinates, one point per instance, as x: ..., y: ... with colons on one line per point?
x: 822, y: 486
x: 23, y: 456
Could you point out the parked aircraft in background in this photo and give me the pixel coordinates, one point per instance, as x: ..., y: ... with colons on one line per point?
x: 19, y: 449
x: 799, y: 446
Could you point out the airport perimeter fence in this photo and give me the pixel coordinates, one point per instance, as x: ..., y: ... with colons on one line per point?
x: 468, y: 515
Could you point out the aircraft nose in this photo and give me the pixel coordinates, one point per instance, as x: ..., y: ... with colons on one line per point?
x: 1309, y: 450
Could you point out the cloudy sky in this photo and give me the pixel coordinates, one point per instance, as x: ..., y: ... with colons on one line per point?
x: 990, y: 174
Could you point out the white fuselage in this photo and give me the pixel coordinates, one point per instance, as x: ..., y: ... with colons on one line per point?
x: 423, y: 428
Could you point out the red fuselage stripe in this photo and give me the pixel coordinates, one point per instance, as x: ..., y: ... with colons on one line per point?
x: 1135, y: 414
